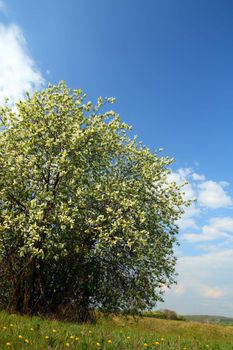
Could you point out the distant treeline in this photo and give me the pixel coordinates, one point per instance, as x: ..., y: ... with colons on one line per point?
x: 172, y: 315
x: 164, y: 314
x: 210, y: 319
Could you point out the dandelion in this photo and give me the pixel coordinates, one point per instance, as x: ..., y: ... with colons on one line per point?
x: 98, y: 344
x: 8, y: 344
x: 109, y: 341
x: 46, y: 337
x: 26, y: 341
x: 90, y: 332
x: 67, y: 345
x: 146, y: 345
x: 72, y: 337
x: 128, y: 338
x: 162, y: 339
x: 11, y: 325
x: 54, y: 331
x: 77, y: 338
x: 32, y: 329
x: 20, y: 337
x: 4, y: 327
x: 156, y: 342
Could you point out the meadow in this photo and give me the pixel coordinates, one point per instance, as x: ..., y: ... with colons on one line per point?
x: 20, y: 332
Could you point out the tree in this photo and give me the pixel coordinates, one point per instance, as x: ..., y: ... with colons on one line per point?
x: 170, y: 314
x: 87, y: 215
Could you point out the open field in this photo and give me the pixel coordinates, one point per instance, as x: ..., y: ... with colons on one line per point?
x: 18, y: 332
x: 210, y: 319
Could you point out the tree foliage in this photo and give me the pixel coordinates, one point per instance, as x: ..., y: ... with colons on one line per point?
x: 87, y: 214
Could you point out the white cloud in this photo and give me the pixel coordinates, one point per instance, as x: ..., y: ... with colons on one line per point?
x: 197, y: 177
x: 205, y: 278
x: 187, y: 220
x: 222, y: 223
x: 181, y: 178
x: 213, y: 293
x: 217, y: 228
x: 212, y: 195
x: 208, y: 235
x: 18, y: 70
x: 184, y: 176
x: 202, y: 280
x: 207, y: 194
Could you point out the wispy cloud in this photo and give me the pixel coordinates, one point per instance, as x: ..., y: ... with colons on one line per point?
x: 202, y: 280
x: 213, y: 292
x: 217, y: 228
x: 18, y: 70
x: 206, y: 251
x: 188, y: 220
x: 198, y: 177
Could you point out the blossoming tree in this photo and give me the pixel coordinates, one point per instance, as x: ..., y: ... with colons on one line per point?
x: 87, y: 215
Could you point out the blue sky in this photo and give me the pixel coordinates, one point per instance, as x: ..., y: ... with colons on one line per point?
x: 170, y: 66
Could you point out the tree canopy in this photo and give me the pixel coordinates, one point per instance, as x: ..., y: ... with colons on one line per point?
x: 87, y: 214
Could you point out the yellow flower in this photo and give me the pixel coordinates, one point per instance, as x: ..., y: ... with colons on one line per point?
x: 146, y: 345
x: 26, y: 341
x: 54, y: 331
x: 20, y: 337
x: 71, y: 337
x: 157, y: 343
x: 32, y: 329
x: 67, y: 345
x: 11, y: 325
x: 77, y: 338
x: 90, y: 332
x: 128, y: 338
x: 162, y: 339
x: 4, y: 327
x: 8, y: 344
x: 109, y: 341
x: 46, y: 337
x: 98, y: 344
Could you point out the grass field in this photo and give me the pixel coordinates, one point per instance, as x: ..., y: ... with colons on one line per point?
x: 210, y: 319
x: 18, y: 332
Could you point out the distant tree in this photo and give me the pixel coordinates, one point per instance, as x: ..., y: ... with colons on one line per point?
x: 87, y: 216
x: 170, y: 314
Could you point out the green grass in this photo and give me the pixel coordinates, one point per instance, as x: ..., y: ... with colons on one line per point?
x: 17, y: 332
